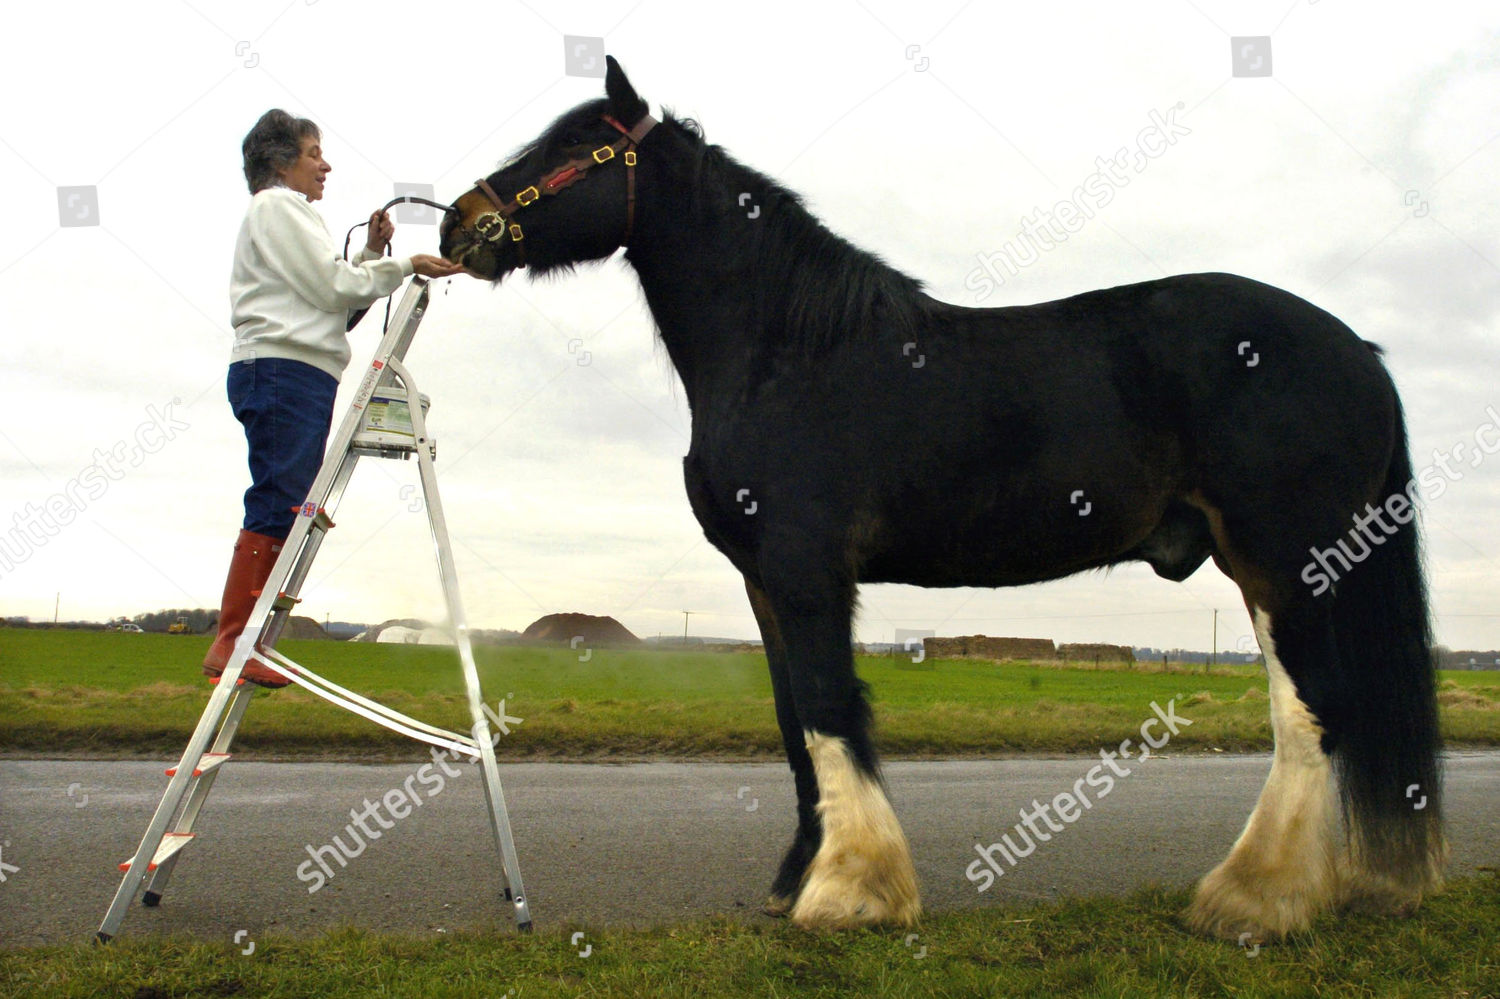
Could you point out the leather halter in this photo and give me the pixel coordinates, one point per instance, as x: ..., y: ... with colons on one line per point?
x: 493, y: 226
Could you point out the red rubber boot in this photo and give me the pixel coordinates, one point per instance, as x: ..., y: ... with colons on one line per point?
x: 254, y: 557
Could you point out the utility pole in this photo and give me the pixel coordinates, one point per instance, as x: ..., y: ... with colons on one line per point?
x: 685, y: 616
x: 55, y: 605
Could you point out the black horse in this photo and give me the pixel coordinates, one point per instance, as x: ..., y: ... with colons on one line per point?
x: 848, y: 428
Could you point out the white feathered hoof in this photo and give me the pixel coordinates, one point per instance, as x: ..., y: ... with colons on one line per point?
x: 1236, y: 903
x: 862, y: 873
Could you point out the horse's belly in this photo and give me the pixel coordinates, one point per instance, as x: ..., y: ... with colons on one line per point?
x: 1012, y: 546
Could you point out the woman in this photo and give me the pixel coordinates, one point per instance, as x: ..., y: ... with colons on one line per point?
x: 290, y: 293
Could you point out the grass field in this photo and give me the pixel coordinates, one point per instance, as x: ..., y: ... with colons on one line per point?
x: 114, y: 694
x: 1131, y: 947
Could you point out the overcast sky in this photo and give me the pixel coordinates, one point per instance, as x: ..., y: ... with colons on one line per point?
x: 1360, y: 174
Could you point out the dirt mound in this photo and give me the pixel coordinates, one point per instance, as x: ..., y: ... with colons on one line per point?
x: 566, y: 627
x: 302, y: 627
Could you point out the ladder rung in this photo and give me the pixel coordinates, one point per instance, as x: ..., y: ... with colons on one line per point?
x: 209, y: 761
x: 320, y: 518
x: 284, y: 602
x: 170, y: 844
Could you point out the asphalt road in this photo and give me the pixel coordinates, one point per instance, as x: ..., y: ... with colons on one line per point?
x: 637, y: 844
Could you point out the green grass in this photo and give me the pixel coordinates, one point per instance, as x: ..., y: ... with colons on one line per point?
x: 106, y: 693
x: 1130, y: 947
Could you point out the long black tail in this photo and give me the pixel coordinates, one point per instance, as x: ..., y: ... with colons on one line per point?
x: 1387, y: 756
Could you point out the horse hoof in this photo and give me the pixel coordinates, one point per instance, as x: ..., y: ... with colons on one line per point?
x: 1240, y: 909
x: 1381, y: 894
x: 777, y: 906
x: 836, y: 904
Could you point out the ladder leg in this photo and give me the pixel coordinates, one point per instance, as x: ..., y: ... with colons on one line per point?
x: 494, y: 795
x: 201, y: 785
x: 177, y: 788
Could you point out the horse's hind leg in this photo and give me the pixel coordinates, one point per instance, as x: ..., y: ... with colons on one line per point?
x: 1282, y: 871
x: 861, y: 871
x: 807, y: 835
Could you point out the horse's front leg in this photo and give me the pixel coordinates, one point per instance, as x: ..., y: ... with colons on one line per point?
x: 861, y: 871
x: 808, y: 833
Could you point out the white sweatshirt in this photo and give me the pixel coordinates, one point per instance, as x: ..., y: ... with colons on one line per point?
x: 290, y: 290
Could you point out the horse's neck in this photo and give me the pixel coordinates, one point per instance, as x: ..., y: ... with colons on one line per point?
x: 717, y: 280
x: 698, y: 284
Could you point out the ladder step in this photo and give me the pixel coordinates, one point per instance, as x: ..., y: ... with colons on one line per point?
x: 282, y: 601
x: 170, y: 844
x: 209, y: 761
x: 320, y: 518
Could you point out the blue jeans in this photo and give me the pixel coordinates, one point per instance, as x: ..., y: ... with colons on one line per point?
x: 286, y: 408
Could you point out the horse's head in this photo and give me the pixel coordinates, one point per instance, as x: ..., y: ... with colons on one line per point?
x: 566, y: 197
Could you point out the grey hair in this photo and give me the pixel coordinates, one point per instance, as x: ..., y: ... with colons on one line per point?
x: 275, y: 143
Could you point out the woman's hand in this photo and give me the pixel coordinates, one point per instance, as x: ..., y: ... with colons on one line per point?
x: 429, y: 266
x: 381, y: 231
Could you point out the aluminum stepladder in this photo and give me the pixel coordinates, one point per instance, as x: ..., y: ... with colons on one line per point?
x: 191, y: 780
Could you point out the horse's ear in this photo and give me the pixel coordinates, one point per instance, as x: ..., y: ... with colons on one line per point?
x: 624, y: 103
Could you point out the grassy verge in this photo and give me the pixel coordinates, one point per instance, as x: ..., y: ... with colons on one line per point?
x: 1092, y: 947
x: 113, y: 694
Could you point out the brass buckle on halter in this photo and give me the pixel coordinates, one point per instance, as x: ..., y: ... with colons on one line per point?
x: 515, y: 233
x: 523, y: 200
x: 630, y: 157
x: 604, y: 154
x: 487, y: 222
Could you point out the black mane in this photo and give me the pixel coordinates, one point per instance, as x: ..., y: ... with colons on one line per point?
x: 815, y: 288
